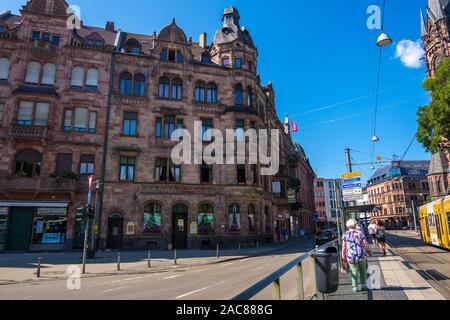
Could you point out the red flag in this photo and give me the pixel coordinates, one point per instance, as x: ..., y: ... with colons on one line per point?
x: 294, y: 127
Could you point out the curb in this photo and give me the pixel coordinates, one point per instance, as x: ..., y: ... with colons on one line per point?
x: 154, y: 270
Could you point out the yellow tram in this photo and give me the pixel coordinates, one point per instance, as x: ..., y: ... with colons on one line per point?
x: 435, y: 223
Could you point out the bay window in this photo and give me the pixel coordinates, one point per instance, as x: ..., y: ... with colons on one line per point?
x: 80, y: 120
x: 31, y: 113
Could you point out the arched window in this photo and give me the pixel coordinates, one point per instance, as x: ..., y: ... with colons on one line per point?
x: 48, y: 74
x: 77, y: 80
x: 252, y: 218
x: 238, y: 95
x: 234, y: 218
x: 92, y: 79
x: 177, y: 89
x: 249, y: 97
x: 125, y: 84
x: 205, y: 219
x: 152, y: 218
x: 4, y: 68
x: 200, y: 92
x: 139, y: 85
x: 164, y: 88
x: 28, y: 163
x: 33, y: 72
x: 212, y: 93
x: 133, y: 46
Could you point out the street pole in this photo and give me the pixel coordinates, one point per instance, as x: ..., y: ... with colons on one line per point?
x: 348, y: 160
x: 86, y: 236
x: 414, y: 215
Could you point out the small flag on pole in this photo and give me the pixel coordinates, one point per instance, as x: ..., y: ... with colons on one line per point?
x: 294, y: 127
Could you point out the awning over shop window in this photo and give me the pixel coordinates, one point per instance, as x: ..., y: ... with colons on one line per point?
x: 34, y: 204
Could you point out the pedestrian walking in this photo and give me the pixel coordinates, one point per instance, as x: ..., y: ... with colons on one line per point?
x: 355, y: 251
x: 381, y: 237
x: 373, y: 231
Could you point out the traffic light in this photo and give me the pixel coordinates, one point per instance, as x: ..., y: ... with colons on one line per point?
x: 91, y: 212
x: 86, y: 212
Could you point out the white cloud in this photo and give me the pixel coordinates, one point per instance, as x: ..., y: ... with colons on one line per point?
x: 410, y: 53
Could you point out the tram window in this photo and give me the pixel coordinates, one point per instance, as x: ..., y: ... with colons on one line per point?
x: 448, y: 221
x: 438, y: 226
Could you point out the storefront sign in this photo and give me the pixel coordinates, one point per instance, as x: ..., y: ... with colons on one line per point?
x: 194, y: 228
x: 51, y: 238
x: 51, y: 211
x: 131, y: 227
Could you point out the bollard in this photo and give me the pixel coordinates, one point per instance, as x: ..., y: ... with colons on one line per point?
x: 149, y: 259
x: 175, y: 256
x: 217, y: 252
x: 39, y: 268
x: 118, y: 261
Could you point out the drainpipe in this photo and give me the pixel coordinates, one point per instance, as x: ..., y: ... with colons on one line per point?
x: 105, y: 150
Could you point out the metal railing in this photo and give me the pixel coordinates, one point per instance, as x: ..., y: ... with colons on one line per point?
x: 274, y: 279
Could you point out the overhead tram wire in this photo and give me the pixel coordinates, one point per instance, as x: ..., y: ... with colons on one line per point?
x: 409, y: 147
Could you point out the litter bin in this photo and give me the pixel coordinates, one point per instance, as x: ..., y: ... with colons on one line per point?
x: 327, y: 270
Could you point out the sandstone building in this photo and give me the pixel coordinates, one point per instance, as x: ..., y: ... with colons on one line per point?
x: 76, y: 102
x: 435, y: 32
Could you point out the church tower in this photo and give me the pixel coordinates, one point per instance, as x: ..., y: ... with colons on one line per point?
x: 435, y: 33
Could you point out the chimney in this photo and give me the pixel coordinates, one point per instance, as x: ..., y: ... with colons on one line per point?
x: 203, y: 40
x: 110, y: 26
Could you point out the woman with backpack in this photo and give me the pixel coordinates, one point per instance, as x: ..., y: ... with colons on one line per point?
x: 355, y: 251
x: 381, y: 237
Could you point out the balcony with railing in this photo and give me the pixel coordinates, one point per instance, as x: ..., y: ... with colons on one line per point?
x: 26, y: 184
x: 28, y: 132
x: 43, y: 48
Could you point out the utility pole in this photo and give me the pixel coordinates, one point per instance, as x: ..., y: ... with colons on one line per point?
x: 348, y: 159
x: 414, y: 214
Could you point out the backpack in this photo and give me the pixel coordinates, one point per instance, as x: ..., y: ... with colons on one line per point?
x: 381, y: 233
x: 356, y: 251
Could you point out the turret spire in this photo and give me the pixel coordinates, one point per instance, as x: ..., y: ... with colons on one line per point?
x: 423, y: 25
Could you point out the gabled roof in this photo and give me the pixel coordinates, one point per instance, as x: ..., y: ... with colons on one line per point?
x: 439, y: 163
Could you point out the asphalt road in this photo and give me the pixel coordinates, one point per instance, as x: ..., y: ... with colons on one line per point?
x: 432, y: 263
x: 212, y: 282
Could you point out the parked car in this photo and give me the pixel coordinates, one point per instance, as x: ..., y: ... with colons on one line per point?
x: 325, y: 237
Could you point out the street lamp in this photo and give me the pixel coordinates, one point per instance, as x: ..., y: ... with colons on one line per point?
x: 375, y: 138
x: 384, y: 40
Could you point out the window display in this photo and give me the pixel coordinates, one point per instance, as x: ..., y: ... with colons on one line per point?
x: 152, y: 218
x: 49, y: 226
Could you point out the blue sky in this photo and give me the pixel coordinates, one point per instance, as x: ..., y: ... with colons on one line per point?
x: 317, y: 53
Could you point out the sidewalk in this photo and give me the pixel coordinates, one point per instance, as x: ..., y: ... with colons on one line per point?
x: 22, y: 268
x: 399, y: 281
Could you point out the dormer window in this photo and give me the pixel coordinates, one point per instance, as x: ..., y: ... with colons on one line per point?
x: 95, y: 43
x: 46, y: 36
x: 133, y: 46
x: 172, y: 56
x: 226, y: 62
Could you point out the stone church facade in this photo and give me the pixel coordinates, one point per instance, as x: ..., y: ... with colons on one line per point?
x: 105, y: 102
x: 435, y: 32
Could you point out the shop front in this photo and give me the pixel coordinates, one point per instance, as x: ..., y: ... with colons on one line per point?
x: 33, y: 226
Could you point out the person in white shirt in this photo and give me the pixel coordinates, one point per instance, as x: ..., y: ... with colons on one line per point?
x: 373, y: 231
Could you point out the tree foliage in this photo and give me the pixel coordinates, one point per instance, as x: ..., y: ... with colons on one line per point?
x: 434, y: 119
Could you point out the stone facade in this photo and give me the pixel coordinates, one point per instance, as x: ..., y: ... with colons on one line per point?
x: 134, y: 90
x: 398, y: 191
x: 436, y: 38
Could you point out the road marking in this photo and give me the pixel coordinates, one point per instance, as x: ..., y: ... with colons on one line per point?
x: 245, y: 260
x: 116, y: 281
x: 112, y: 290
x: 259, y: 269
x: 197, y: 271
x: 198, y: 291
x: 102, y: 284
x: 239, y: 268
x: 228, y: 264
x: 172, y: 277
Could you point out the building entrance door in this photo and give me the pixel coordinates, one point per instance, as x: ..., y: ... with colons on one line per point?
x: 115, y: 232
x: 21, y: 224
x: 180, y: 226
